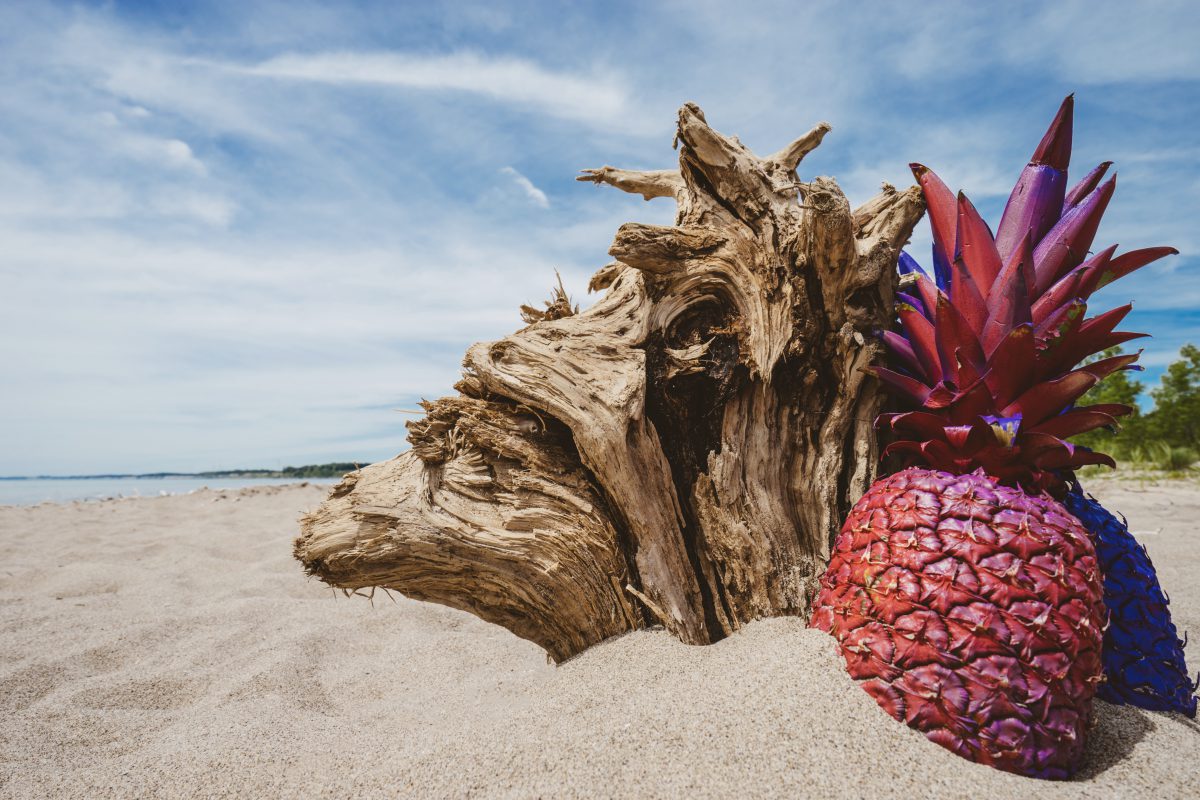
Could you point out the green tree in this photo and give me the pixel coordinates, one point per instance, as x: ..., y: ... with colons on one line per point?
x: 1176, y: 416
x: 1118, y: 387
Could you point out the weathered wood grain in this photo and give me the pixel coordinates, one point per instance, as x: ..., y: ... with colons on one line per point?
x: 681, y: 453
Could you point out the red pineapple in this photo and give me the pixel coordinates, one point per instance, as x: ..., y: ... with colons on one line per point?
x: 972, y: 611
x: 961, y: 592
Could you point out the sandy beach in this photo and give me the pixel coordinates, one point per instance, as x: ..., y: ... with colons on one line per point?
x: 171, y: 647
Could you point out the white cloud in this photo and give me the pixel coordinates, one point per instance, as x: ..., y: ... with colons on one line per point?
x: 171, y: 154
x: 592, y: 99
x: 1082, y: 42
x: 1125, y: 42
x: 269, y: 231
x: 204, y: 207
x: 535, y: 195
x: 179, y: 154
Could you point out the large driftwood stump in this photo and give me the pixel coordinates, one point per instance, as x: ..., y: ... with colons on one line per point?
x: 682, y: 453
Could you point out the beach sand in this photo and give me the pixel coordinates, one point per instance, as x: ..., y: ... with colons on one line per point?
x: 170, y: 647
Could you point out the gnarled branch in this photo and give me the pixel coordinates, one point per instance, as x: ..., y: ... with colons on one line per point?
x: 658, y: 183
x: 680, y: 453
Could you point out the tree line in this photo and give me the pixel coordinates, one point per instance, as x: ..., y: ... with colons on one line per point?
x: 1168, y: 436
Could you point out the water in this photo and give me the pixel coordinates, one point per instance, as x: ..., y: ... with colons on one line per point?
x: 38, y: 490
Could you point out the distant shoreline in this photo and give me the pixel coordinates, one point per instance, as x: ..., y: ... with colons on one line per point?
x: 332, y: 470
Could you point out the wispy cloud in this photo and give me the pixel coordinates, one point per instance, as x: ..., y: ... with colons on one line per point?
x: 535, y: 195
x: 232, y: 238
x: 593, y: 99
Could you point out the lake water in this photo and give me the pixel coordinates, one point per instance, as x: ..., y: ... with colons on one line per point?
x: 36, y: 490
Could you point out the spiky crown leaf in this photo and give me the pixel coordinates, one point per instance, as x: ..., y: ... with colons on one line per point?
x: 988, y: 349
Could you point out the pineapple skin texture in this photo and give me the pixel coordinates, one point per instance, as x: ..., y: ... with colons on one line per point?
x: 973, y: 612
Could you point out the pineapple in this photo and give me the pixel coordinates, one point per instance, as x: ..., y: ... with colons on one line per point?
x: 963, y: 594
x: 972, y: 611
x: 1143, y: 656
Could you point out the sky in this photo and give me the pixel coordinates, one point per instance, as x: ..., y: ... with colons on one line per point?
x: 242, y: 234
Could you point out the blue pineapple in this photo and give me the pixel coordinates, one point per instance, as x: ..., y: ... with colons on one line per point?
x: 1143, y: 656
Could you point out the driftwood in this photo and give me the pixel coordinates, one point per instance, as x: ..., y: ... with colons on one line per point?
x: 681, y: 453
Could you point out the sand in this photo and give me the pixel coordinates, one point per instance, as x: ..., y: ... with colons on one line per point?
x: 170, y: 647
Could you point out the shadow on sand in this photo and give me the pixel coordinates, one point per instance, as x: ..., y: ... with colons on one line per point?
x: 1116, y: 732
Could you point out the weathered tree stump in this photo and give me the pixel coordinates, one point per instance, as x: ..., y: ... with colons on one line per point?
x: 682, y: 453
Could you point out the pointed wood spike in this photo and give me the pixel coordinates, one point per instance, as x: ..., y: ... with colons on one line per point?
x: 791, y: 156
x: 651, y: 184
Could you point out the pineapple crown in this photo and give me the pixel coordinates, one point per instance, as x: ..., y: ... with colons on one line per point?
x: 988, y: 348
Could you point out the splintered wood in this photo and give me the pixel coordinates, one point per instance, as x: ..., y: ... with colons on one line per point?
x: 680, y: 454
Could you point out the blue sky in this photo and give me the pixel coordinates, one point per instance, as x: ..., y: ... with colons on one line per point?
x: 241, y: 234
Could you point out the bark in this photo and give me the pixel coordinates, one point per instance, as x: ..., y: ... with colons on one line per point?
x: 683, y: 452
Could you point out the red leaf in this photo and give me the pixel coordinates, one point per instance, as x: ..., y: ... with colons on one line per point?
x: 1048, y: 399
x: 1075, y: 421
x: 1083, y: 457
x: 1093, y: 270
x: 943, y: 210
x: 965, y: 296
x: 1054, y: 149
x: 974, y: 402
x: 901, y: 385
x: 1107, y: 366
x: 1107, y: 321
x: 1062, y: 320
x: 1067, y: 243
x: 1036, y: 446
x: 954, y: 340
x: 1008, y: 303
x: 903, y: 353
x: 1112, y: 409
x: 1126, y: 263
x: 974, y: 245
x: 917, y: 424
x: 1008, y: 372
x: 1085, y: 186
x: 928, y: 292
x: 1059, y: 295
x: 1036, y: 201
x: 1074, y: 346
x: 923, y: 339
